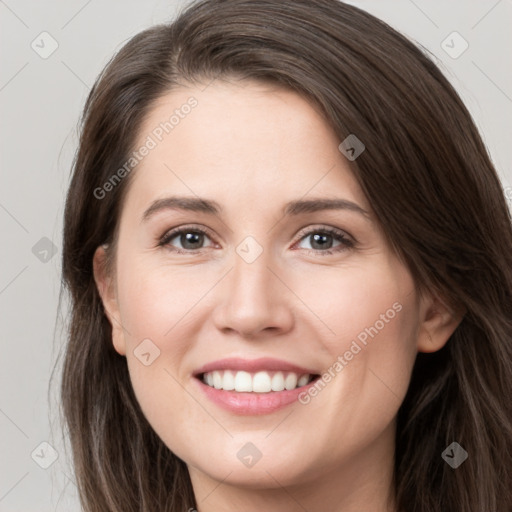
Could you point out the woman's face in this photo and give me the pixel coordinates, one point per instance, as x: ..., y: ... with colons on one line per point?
x: 308, y: 290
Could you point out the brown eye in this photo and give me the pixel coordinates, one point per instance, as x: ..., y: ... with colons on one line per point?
x: 190, y: 239
x: 321, y: 240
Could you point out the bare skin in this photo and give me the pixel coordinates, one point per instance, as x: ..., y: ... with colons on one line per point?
x: 252, y: 148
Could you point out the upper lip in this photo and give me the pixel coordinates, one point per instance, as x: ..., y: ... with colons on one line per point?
x: 253, y: 365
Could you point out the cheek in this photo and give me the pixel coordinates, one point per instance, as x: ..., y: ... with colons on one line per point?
x: 376, y: 325
x: 155, y: 301
x: 159, y: 308
x: 155, y: 304
x: 374, y: 314
x: 373, y: 306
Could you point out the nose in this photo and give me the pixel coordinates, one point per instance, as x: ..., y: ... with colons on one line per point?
x: 254, y: 301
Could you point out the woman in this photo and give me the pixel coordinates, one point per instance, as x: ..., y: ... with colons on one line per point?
x: 214, y: 362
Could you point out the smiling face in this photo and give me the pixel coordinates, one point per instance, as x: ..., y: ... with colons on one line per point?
x: 272, y: 276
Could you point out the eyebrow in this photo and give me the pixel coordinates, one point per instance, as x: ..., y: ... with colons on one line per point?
x: 210, y: 207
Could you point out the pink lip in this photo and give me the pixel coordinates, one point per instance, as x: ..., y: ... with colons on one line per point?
x: 252, y: 403
x: 253, y: 365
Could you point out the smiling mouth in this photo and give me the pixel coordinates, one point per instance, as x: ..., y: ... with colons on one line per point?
x: 256, y: 382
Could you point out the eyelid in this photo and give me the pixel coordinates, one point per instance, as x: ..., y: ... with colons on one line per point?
x: 326, y: 228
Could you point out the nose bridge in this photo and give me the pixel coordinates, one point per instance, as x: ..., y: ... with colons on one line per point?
x: 251, y: 279
x: 253, y: 300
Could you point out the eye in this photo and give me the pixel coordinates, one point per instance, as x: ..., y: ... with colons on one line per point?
x: 321, y: 240
x: 190, y: 238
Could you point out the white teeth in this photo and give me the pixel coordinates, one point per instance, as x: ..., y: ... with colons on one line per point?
x: 243, y: 381
x: 217, y: 380
x: 259, y: 382
x: 228, y: 382
x: 303, y: 380
x: 278, y: 382
x: 291, y: 381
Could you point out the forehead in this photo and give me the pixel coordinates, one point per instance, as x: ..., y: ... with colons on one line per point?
x: 246, y: 144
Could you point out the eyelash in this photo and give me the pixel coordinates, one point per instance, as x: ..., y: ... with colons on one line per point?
x: 346, y: 243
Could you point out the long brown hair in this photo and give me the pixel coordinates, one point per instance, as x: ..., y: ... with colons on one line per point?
x: 430, y: 181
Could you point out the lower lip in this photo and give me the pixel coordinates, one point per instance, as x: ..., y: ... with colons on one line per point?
x: 252, y: 403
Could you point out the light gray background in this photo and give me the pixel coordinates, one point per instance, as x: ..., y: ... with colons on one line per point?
x: 41, y: 100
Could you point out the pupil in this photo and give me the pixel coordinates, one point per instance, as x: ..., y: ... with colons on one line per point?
x: 192, y: 238
x: 317, y: 238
